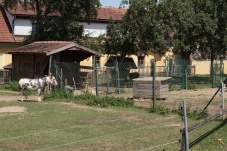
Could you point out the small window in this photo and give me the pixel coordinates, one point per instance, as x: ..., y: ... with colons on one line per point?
x: 98, y: 61
x: 140, y: 61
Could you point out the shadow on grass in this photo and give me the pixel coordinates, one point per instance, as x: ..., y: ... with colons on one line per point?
x: 196, y: 141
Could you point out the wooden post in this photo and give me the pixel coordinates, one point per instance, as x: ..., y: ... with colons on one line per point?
x: 13, y: 68
x: 66, y: 82
x: 50, y: 62
x: 34, y: 66
x: 61, y: 79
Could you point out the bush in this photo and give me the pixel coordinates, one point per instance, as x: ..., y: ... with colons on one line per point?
x: 191, y: 86
x: 14, y: 86
x: 196, y: 115
x: 160, y: 109
x: 59, y: 95
x: 104, y: 102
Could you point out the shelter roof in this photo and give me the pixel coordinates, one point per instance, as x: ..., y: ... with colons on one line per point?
x: 51, y: 47
x: 126, y: 62
x: 8, y: 66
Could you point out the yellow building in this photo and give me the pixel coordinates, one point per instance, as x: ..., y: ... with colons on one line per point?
x: 7, y: 40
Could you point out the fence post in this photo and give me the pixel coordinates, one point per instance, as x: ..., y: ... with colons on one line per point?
x: 116, y: 76
x: 212, y: 74
x: 221, y: 68
x: 186, y: 78
x: 170, y: 67
x: 115, y: 73
x: 153, y: 83
x: 183, y: 74
x: 223, y: 100
x: 185, y: 142
x: 107, y: 81
x: 61, y: 78
x: 96, y: 78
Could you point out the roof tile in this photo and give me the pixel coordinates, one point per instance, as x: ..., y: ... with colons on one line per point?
x: 40, y: 47
x: 5, y: 32
x: 104, y: 13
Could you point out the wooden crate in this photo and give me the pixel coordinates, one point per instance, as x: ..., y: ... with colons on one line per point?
x: 143, y: 87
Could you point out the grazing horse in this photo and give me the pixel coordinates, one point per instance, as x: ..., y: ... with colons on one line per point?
x: 36, y: 84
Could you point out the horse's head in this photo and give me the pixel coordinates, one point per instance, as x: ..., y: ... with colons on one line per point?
x: 51, y: 79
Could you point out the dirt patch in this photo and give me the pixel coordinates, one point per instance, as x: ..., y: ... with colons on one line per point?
x: 14, y: 145
x: 17, y: 98
x: 174, y: 125
x: 12, y: 109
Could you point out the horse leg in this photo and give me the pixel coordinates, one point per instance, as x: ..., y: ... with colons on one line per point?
x: 23, y: 94
x: 39, y: 95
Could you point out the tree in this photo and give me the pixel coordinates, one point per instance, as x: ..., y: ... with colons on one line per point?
x: 198, y: 23
x: 57, y: 19
x: 96, y: 43
x: 184, y: 25
x: 140, y: 30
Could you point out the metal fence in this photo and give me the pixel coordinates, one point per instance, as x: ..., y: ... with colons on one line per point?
x: 5, y: 76
x: 74, y: 75
x: 118, y: 77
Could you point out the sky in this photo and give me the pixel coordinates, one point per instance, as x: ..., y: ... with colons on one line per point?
x: 112, y: 3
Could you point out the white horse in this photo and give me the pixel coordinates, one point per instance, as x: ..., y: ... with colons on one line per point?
x: 36, y: 84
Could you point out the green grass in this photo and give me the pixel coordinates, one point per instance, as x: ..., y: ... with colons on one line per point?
x: 67, y: 125
x: 56, y: 126
x: 9, y: 93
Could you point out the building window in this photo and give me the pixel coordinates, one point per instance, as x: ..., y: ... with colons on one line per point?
x: 140, y: 61
x: 98, y: 61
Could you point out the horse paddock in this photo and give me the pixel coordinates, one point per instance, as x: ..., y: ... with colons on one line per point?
x: 68, y: 126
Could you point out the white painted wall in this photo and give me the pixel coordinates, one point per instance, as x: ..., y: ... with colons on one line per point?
x: 22, y: 27
x: 94, y: 29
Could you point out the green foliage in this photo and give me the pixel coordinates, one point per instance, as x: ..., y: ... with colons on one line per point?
x: 139, y: 30
x: 86, y: 99
x: 54, y: 96
x: 104, y: 101
x: 57, y: 19
x: 14, y: 86
x: 59, y: 95
x: 96, y: 44
x: 160, y: 110
x: 195, y: 114
x: 191, y: 86
x: 185, y: 25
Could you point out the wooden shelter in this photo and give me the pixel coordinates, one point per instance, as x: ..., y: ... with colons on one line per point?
x: 36, y: 59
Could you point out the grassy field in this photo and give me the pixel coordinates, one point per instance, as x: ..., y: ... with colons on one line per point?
x: 50, y: 125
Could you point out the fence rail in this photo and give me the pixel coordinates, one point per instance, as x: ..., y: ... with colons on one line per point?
x: 5, y: 76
